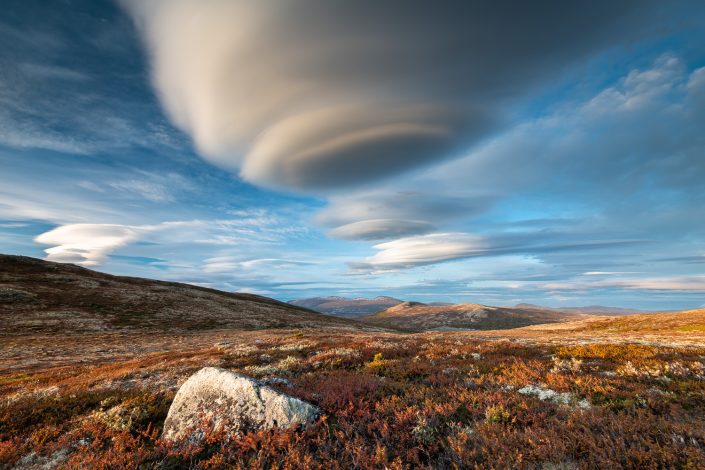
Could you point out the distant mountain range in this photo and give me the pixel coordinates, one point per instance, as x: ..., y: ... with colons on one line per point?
x: 348, y: 308
x: 362, y: 308
x: 415, y: 316
x: 45, y: 298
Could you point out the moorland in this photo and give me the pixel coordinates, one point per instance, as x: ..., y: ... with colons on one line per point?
x: 91, y: 364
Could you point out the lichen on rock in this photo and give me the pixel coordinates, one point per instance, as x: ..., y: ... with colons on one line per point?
x: 234, y: 402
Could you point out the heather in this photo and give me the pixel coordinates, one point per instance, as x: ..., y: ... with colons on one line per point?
x: 446, y: 400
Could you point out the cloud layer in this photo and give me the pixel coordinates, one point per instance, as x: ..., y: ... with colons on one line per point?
x: 317, y: 95
x: 86, y: 244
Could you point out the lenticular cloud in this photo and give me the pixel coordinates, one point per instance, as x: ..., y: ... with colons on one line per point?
x: 314, y: 94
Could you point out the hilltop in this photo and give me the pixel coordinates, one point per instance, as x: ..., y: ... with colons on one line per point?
x: 416, y: 316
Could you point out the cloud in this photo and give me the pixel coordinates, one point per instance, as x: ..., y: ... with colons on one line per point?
x: 50, y: 100
x: 376, y: 229
x: 421, y: 250
x: 607, y: 273
x: 674, y: 283
x: 406, y: 204
x: 679, y: 283
x: 318, y: 95
x: 90, y: 244
x: 633, y: 136
x: 158, y: 188
x: 232, y: 264
x: 380, y: 214
x: 598, y: 161
x: 86, y: 244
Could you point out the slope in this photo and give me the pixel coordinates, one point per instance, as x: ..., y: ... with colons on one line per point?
x: 40, y: 297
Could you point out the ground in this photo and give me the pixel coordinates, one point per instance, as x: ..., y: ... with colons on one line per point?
x: 434, y: 400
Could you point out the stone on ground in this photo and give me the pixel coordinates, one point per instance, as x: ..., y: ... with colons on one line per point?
x: 218, y: 398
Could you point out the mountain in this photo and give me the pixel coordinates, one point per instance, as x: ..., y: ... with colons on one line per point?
x: 588, y: 310
x: 348, y: 308
x: 41, y: 297
x: 415, y: 316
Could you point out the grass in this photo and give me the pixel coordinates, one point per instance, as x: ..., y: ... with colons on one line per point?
x: 691, y: 328
x: 388, y: 401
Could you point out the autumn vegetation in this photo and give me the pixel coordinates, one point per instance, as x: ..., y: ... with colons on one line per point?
x: 441, y: 400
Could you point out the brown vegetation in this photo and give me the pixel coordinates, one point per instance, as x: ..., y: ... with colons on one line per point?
x: 444, y: 400
x: 588, y: 394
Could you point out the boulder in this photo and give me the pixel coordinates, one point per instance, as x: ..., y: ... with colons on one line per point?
x: 224, y: 399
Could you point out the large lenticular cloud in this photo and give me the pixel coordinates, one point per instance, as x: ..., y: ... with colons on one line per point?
x: 317, y: 94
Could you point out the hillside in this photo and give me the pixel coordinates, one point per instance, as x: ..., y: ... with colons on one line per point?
x: 672, y: 323
x: 344, y: 307
x: 40, y: 297
x: 414, y: 316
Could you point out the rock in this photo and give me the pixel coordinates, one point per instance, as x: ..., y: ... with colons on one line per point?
x: 233, y: 401
x: 276, y: 381
x: 34, y: 461
x: 546, y: 394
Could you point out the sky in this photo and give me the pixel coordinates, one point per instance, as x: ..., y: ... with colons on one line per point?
x: 500, y: 152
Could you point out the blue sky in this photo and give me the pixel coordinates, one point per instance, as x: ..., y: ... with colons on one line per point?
x: 545, y: 152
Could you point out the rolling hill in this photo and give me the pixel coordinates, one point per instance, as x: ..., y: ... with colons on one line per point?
x: 348, y: 308
x: 40, y: 297
x: 686, y: 321
x: 414, y: 316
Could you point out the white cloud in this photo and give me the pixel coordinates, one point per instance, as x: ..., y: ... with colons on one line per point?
x: 674, y: 283
x: 607, y: 273
x: 230, y: 264
x: 421, y: 250
x: 87, y: 244
x: 677, y: 283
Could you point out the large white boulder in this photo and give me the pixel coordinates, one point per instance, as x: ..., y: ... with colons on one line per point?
x: 222, y: 398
